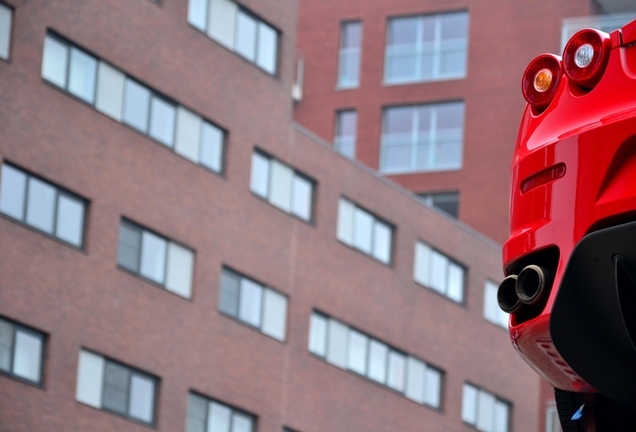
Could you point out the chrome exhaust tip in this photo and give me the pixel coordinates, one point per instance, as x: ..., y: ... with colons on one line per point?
x: 533, y: 284
x: 507, y: 295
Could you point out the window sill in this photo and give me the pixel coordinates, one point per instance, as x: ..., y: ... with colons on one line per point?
x: 418, y: 171
x: 462, y: 303
x: 37, y: 385
x: 253, y: 328
x: 154, y: 283
x: 43, y: 233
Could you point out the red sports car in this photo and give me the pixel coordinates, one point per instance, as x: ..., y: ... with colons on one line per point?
x: 570, y: 260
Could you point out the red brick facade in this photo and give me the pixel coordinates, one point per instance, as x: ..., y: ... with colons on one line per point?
x: 81, y: 300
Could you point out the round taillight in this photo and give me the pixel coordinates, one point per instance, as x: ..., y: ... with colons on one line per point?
x: 585, y: 57
x: 541, y: 80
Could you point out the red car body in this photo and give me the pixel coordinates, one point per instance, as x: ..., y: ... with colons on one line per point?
x: 573, y: 211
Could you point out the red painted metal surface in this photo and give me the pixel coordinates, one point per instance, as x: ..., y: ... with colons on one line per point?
x: 592, y: 133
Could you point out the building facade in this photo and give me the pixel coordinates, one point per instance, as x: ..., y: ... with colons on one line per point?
x: 179, y: 255
x: 428, y: 93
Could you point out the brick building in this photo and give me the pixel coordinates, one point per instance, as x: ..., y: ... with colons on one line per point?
x: 178, y: 254
x: 428, y: 93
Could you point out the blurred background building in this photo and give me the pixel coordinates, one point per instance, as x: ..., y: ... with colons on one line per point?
x: 184, y: 249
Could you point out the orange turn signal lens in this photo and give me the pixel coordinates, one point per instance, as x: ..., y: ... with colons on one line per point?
x: 542, y: 80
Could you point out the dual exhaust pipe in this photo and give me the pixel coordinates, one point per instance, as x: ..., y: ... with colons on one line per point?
x: 530, y: 288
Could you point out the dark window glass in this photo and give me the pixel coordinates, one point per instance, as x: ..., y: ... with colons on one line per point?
x: 230, y: 287
x: 129, y: 246
x: 116, y: 387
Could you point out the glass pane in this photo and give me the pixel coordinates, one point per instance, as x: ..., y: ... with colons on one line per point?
x: 241, y: 423
x: 27, y: 356
x: 12, y: 192
x: 400, y: 67
x: 162, y: 121
x: 211, y: 154
x: 281, y: 185
x: 469, y: 404
x: 428, y: 25
x: 362, y: 230
x: 382, y: 242
x: 110, y: 90
x: 318, y: 334
x: 345, y: 221
x: 259, y: 183
x: 5, y: 31
x: 188, y: 134
x: 397, y: 158
x: 351, y: 35
x: 6, y: 344
x: 501, y: 417
x: 485, y: 411
x: 377, y: 361
x: 301, y: 197
x: 179, y: 271
x: 116, y: 386
x: 452, y: 63
x: 448, y: 155
x: 219, y: 418
x: 357, y: 353
x: 399, y: 120
x: 347, y: 123
x: 90, y: 379
x: 274, y: 314
x: 70, y: 219
x: 450, y: 116
x: 197, y: 412
x: 267, y: 47
x: 455, y: 282
x: 454, y: 25
x: 246, y: 36
x: 422, y: 263
x: 55, y: 61
x: 198, y: 13
x: 153, y: 257
x: 439, y: 269
x: 251, y: 301
x: 337, y: 343
x: 40, y: 205
x: 403, y: 30
x: 415, y: 380
x: 142, y: 398
x: 136, y: 105
x: 397, y: 369
x: 83, y: 75
x: 433, y: 387
x: 129, y: 251
x: 229, y: 293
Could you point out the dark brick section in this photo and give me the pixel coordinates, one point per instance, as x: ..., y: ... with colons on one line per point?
x: 503, y: 38
x: 80, y: 299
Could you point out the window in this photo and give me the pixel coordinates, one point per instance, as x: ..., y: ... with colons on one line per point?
x: 21, y: 351
x: 346, y: 125
x: 438, y: 272
x: 492, y: 311
x: 448, y: 202
x: 426, y: 47
x: 350, y: 349
x: 422, y: 138
x: 207, y: 415
x: 126, y: 100
x: 349, y: 56
x: 364, y: 231
x: 42, y: 205
x: 484, y: 410
x: 282, y: 186
x: 155, y: 258
x: 6, y: 15
x: 238, y: 30
x: 552, y: 422
x: 111, y: 386
x: 253, y: 303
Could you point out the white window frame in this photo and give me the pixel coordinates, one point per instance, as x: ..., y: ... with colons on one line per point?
x: 188, y: 129
x: 424, y: 271
x: 337, y: 351
x: 481, y: 420
x: 269, y: 322
x: 492, y: 311
x: 277, y: 183
x: 419, y: 50
x: 59, y: 195
x: 348, y: 232
x: 177, y: 260
x: 414, y: 139
x: 219, y: 19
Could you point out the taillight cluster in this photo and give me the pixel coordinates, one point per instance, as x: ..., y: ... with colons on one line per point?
x: 584, y: 60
